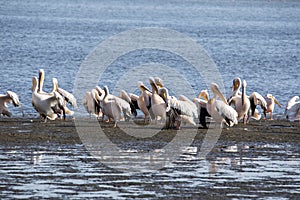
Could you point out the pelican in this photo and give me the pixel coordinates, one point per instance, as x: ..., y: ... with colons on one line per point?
x: 236, y: 86
x: 290, y: 104
x: 45, y: 104
x: 292, y: 110
x: 10, y: 97
x: 68, y: 97
x: 241, y: 103
x: 91, y: 102
x: 255, y: 100
x: 158, y: 106
x: 201, y: 105
x: 113, y: 107
x: 183, y: 107
x: 125, y: 96
x: 144, y: 100
x: 219, y: 109
x: 271, y: 101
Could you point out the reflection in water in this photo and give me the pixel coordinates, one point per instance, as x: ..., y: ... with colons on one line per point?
x: 69, y: 170
x: 36, y: 157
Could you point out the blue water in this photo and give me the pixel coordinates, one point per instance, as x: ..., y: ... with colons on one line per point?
x: 256, y: 40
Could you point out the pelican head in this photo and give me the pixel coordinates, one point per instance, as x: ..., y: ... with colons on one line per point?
x: 34, y: 83
x: 14, y: 97
x: 216, y: 91
x: 55, y: 84
x: 270, y: 96
x: 143, y: 87
x: 203, y: 94
x: 236, y: 83
x: 41, y: 79
x: 158, y: 82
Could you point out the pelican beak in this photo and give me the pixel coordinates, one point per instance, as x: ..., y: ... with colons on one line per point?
x: 218, y: 92
x: 276, y: 102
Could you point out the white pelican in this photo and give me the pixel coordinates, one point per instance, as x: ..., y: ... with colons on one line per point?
x: 241, y: 103
x: 236, y: 85
x: 125, y: 96
x: 292, y: 110
x: 144, y: 100
x: 158, y: 106
x: 201, y: 105
x: 68, y: 97
x: 91, y: 103
x: 255, y: 100
x: 271, y: 101
x: 183, y: 107
x: 45, y: 104
x: 219, y: 110
x: 113, y: 107
x: 10, y: 97
x: 290, y: 104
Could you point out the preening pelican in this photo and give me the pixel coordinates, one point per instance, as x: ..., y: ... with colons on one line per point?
x: 144, y: 100
x: 219, y: 110
x: 255, y: 100
x: 125, y: 96
x: 271, y: 101
x: 45, y: 104
x: 201, y: 105
x: 292, y: 111
x: 290, y: 104
x: 114, y: 107
x: 183, y: 107
x: 158, y: 106
x: 91, y: 103
x: 10, y: 97
x: 241, y: 103
x: 68, y: 97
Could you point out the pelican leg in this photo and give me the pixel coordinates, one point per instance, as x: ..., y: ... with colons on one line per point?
x: 115, y: 125
x: 245, y: 119
x: 271, y: 115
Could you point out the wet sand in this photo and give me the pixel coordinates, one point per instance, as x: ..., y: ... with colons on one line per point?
x: 22, y: 130
x: 48, y: 160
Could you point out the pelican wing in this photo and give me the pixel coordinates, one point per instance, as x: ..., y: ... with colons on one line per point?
x: 68, y: 97
x: 14, y: 97
x: 187, y: 108
x: 257, y: 99
x: 290, y: 104
x: 226, y: 111
x: 294, y: 112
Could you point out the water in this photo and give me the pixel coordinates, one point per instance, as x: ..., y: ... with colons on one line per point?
x: 240, y: 170
x: 256, y: 40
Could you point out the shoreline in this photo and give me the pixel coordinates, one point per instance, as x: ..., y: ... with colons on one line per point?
x: 23, y: 130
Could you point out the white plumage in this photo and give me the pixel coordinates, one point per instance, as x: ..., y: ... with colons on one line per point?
x: 158, y: 105
x: 292, y: 110
x: 184, y: 107
x: 219, y: 110
x: 114, y: 107
x: 45, y: 104
x: 10, y: 97
x: 241, y: 103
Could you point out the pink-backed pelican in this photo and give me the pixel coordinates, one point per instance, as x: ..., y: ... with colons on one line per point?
x: 9, y: 97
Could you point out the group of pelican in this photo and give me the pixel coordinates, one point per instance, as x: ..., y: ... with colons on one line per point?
x: 155, y: 104
x: 51, y: 105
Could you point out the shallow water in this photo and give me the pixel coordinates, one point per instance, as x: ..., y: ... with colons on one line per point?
x: 243, y: 170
